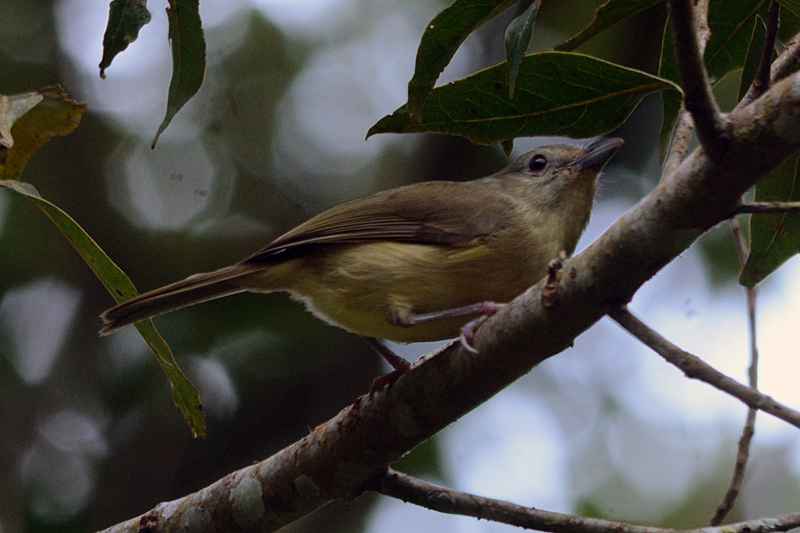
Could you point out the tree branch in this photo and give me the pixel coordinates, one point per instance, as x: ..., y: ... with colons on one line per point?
x: 685, y: 127
x: 785, y: 65
x: 788, y: 62
x: 342, y: 457
x: 712, y: 128
x: 450, y: 501
x: 749, y: 430
x: 739, y: 467
x: 695, y: 368
x: 767, y: 208
x: 680, y: 142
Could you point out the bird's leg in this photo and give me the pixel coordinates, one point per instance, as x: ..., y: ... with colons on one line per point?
x: 483, y: 309
x: 400, y: 365
x: 395, y: 361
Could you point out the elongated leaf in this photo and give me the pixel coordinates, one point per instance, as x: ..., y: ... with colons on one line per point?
x: 671, y: 101
x: 606, y: 16
x: 188, y: 57
x: 791, y: 5
x: 517, y: 38
x: 183, y: 393
x: 753, y: 58
x: 442, y: 38
x: 774, y: 238
x: 790, y: 25
x: 125, y: 19
x: 558, y: 94
x: 731, y: 25
x: 55, y: 114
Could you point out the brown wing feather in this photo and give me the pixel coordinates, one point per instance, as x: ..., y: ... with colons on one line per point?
x: 470, y: 214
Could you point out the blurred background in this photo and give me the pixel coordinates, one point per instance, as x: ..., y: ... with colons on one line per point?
x: 88, y: 432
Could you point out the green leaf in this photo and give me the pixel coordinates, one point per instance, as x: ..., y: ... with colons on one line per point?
x: 753, y: 58
x: 188, y: 57
x: 791, y: 5
x: 119, y: 285
x: 732, y: 32
x: 671, y: 104
x: 125, y: 19
x: 558, y: 94
x: 731, y: 25
x: 517, y: 38
x: 789, y: 26
x: 671, y: 101
x: 54, y: 114
x: 606, y: 16
x: 774, y: 239
x: 440, y: 41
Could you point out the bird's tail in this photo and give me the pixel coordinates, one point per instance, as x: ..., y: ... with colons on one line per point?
x: 192, y: 290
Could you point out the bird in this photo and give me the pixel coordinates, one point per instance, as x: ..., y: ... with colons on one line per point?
x: 417, y: 262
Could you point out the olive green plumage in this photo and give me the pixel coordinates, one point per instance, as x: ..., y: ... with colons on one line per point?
x: 370, y: 264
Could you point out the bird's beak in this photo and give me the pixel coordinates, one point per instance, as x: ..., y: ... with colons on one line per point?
x: 597, y: 154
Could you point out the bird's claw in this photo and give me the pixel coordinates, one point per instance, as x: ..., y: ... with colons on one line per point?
x: 468, y: 330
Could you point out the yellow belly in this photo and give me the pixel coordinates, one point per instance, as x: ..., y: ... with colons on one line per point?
x: 357, y: 287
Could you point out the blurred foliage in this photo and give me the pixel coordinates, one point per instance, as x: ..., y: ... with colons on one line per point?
x: 56, y: 115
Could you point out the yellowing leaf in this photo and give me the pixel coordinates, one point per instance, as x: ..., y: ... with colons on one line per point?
x: 54, y: 114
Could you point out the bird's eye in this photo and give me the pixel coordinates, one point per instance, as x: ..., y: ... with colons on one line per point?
x: 537, y: 163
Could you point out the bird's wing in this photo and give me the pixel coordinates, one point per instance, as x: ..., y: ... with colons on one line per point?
x: 439, y: 212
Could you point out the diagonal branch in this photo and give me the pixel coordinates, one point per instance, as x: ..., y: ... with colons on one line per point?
x: 696, y: 368
x: 712, y: 128
x: 767, y: 208
x: 785, y: 65
x: 444, y: 500
x: 788, y: 62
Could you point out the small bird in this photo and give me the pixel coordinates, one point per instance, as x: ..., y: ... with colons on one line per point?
x: 414, y: 263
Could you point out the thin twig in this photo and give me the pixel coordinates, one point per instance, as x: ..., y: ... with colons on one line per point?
x: 762, y: 78
x: 685, y: 127
x: 712, y: 127
x: 767, y: 208
x: 749, y: 430
x: 695, y: 368
x: 738, y: 239
x: 680, y: 142
x: 742, y: 456
x: 788, y: 62
x: 444, y: 500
